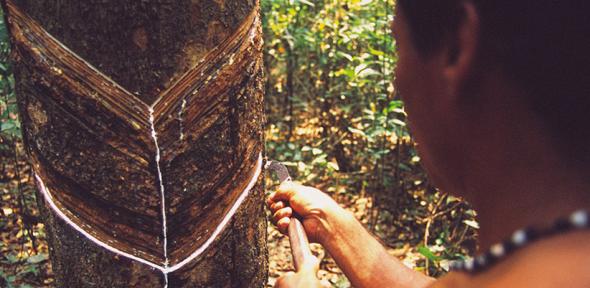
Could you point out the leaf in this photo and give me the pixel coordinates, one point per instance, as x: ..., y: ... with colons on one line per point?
x: 344, y: 55
x: 8, y: 125
x: 369, y: 72
x: 451, y: 199
x: 307, y: 3
x: 357, y: 131
x: 7, y: 211
x: 360, y: 68
x: 37, y: 258
x: 288, y: 163
x: 425, y: 251
x: 471, y: 223
x: 471, y: 213
x: 399, y: 122
x: 404, y: 167
x: 375, y: 51
x: 445, y: 265
x: 3, y: 32
x: 395, y: 104
x: 316, y: 151
x: 348, y: 72
x: 333, y: 166
x: 319, y: 160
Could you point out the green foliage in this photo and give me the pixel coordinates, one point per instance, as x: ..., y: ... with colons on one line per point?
x: 331, y: 64
x: 335, y: 118
x: 24, y: 268
x: 428, y: 253
x: 17, y: 267
x: 9, y: 124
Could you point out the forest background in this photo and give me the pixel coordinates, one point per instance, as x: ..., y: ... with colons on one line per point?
x: 333, y: 116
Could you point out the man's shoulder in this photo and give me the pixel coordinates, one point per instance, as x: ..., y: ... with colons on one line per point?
x: 559, y: 261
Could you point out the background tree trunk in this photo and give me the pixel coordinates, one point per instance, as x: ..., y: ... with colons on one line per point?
x: 207, y: 147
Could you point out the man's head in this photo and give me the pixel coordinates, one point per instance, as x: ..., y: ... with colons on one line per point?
x: 450, y: 49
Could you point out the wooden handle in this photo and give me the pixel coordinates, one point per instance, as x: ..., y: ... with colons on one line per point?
x: 299, y: 244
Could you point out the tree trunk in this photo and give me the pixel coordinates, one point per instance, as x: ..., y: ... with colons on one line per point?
x: 150, y: 176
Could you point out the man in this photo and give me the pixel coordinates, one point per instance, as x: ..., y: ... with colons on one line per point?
x: 498, y: 96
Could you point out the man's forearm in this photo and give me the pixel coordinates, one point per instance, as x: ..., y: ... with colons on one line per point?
x: 363, y: 259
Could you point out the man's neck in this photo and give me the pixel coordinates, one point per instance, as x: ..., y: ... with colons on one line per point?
x: 518, y: 206
x: 515, y: 178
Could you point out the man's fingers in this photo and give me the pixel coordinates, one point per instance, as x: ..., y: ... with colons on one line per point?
x: 269, y: 200
x: 283, y: 281
x: 286, y: 212
x: 312, y: 265
x: 283, y: 224
x: 274, y: 207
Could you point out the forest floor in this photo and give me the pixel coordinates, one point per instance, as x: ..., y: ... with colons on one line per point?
x: 24, y: 262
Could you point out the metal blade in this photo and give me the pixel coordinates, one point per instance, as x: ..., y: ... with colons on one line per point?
x: 279, y: 169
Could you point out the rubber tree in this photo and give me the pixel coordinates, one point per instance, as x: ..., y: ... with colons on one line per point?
x: 143, y: 123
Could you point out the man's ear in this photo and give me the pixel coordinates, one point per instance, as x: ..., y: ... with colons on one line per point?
x: 462, y: 48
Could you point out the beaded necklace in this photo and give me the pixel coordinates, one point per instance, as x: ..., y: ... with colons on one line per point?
x: 576, y: 221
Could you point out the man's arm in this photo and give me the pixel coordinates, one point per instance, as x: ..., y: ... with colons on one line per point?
x: 363, y: 259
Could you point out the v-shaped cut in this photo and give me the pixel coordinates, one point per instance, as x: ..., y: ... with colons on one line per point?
x: 159, y: 183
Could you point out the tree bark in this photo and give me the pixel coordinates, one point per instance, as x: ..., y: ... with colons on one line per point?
x: 143, y: 121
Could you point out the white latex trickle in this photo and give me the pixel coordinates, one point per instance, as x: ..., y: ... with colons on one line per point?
x: 162, y: 197
x: 182, y: 107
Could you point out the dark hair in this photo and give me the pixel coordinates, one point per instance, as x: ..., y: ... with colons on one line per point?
x: 542, y: 46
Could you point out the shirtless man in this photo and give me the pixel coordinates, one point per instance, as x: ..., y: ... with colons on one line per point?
x: 498, y: 97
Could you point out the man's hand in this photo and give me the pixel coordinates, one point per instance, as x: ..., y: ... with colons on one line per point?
x: 312, y: 205
x: 306, y: 277
x: 363, y: 259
